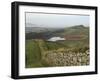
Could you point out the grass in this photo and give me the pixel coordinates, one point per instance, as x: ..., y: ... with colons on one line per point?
x: 33, y: 54
x: 74, y: 44
x: 35, y: 49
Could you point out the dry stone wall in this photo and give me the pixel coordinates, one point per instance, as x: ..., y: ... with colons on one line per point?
x: 66, y: 58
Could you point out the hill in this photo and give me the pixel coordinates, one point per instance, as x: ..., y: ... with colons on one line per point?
x: 36, y: 46
x: 45, y: 33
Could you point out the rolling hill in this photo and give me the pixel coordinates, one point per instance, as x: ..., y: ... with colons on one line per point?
x: 36, y: 43
x: 45, y: 33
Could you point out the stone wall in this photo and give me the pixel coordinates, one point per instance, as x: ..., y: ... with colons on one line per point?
x: 66, y: 58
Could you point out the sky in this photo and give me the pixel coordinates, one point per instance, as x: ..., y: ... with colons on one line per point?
x: 55, y: 20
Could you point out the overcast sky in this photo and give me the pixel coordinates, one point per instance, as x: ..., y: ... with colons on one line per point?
x: 56, y: 20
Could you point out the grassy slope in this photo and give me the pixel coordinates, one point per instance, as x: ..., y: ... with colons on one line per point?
x: 76, y: 31
x: 33, y: 54
x: 34, y: 48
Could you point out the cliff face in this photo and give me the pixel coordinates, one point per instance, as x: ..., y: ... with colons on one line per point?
x: 66, y: 58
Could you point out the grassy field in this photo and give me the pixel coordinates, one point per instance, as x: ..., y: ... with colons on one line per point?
x: 33, y: 54
x: 36, y: 45
x: 35, y: 48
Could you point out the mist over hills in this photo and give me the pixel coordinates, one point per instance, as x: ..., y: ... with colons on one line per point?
x: 40, y: 28
x: 45, y: 33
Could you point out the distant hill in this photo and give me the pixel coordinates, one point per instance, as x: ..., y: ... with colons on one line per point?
x: 45, y: 33
x: 76, y: 30
x: 35, y: 29
x: 78, y: 26
x: 40, y: 29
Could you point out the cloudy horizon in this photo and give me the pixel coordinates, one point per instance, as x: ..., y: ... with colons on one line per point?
x: 55, y: 20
